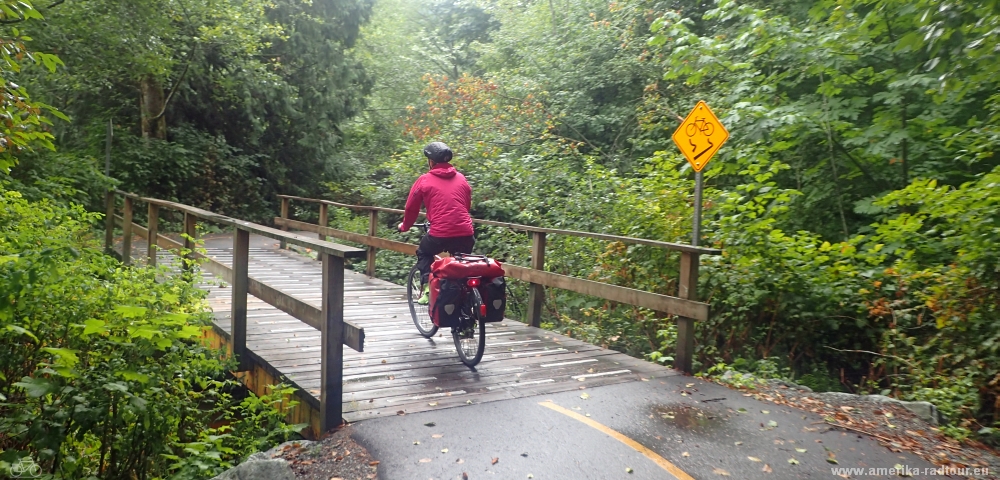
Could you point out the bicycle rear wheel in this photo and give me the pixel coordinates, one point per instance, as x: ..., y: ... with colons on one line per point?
x: 470, y: 338
x: 420, y: 313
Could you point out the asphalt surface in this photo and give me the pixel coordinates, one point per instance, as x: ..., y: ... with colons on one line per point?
x: 699, y: 429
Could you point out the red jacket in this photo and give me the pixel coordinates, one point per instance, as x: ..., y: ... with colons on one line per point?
x: 448, y: 198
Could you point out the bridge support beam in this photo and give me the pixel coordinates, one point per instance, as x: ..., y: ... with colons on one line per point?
x: 109, y: 222
x: 284, y: 215
x: 688, y: 290
x: 372, y: 231
x: 127, y: 233
x: 332, y: 344
x: 324, y: 218
x: 241, y: 268
x: 536, y: 294
x: 152, y: 232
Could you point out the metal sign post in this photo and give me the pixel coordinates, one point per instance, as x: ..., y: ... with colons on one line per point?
x: 697, y: 208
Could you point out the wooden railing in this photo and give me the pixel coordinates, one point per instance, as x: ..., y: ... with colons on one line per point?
x: 685, y: 305
x: 329, y: 320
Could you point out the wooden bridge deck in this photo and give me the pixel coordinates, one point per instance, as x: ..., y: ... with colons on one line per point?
x: 399, y: 370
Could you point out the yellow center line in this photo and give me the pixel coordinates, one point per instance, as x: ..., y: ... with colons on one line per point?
x: 673, y: 469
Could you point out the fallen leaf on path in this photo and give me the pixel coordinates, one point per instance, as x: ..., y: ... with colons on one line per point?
x: 373, y: 463
x: 495, y: 460
x: 383, y: 361
x: 425, y: 460
x: 765, y: 412
x: 719, y: 471
x: 846, y: 408
x: 628, y: 469
x: 444, y: 450
x: 585, y: 396
x: 400, y: 413
x: 465, y: 476
x: 531, y: 476
x: 525, y: 455
x: 793, y: 461
x: 416, y: 443
x: 433, y: 404
x: 832, y: 460
x: 430, y: 424
x: 437, y: 435
x: 767, y: 468
x: 800, y: 450
x: 739, y: 443
x: 685, y: 454
x: 772, y: 424
x: 459, y: 461
x: 754, y: 459
x: 689, y: 385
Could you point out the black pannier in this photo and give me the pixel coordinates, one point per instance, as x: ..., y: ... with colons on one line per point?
x: 494, y: 293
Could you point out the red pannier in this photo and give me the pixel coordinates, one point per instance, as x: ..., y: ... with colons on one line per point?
x: 448, y: 277
x: 465, y: 266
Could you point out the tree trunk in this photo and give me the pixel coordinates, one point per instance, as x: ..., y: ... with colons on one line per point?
x: 152, y: 102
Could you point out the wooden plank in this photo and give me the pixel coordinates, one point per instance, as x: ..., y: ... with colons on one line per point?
x: 127, y: 233
x: 528, y: 228
x: 630, y: 296
x: 324, y: 218
x: 109, y: 221
x: 687, y: 289
x: 153, y: 213
x: 382, y: 243
x: 284, y: 214
x: 303, y: 241
x: 536, y: 294
x: 372, y: 251
x: 332, y: 344
x: 241, y: 253
x: 653, y: 301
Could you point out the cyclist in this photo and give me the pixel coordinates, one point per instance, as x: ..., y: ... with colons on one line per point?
x: 447, y: 197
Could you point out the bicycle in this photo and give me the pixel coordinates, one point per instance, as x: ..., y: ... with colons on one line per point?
x: 470, y: 335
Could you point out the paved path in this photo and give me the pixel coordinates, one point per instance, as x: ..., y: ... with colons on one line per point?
x: 544, y: 405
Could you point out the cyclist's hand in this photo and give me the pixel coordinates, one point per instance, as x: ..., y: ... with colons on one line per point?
x: 400, y: 227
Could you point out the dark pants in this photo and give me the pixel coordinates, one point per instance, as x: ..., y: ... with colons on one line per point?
x: 430, y: 246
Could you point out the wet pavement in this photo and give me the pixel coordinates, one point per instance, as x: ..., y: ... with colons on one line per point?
x: 702, y: 429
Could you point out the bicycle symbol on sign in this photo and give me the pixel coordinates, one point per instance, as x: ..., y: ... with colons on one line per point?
x: 700, y: 125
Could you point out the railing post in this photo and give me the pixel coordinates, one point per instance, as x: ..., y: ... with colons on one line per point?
x: 372, y: 231
x: 688, y: 290
x: 332, y: 344
x: 109, y: 222
x: 191, y: 232
x: 284, y: 216
x: 536, y: 295
x: 127, y: 232
x: 323, y: 218
x: 241, y: 258
x: 153, y: 212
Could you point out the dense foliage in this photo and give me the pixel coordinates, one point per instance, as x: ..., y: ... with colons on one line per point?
x: 104, y: 373
x: 856, y: 201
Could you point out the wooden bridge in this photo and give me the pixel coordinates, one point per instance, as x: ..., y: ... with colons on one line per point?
x: 286, y: 317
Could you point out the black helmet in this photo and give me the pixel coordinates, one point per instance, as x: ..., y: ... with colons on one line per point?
x: 438, y: 152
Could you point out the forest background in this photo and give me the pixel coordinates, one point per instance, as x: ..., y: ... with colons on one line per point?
x: 857, y: 202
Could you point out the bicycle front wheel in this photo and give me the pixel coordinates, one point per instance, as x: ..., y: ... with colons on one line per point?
x: 420, y: 313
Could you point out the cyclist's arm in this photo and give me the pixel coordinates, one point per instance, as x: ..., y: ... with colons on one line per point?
x: 412, y: 209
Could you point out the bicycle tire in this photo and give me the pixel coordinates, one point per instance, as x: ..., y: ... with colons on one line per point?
x: 691, y: 130
x: 708, y: 129
x: 419, y: 313
x: 469, y: 345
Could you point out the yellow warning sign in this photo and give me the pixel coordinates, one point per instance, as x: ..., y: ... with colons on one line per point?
x: 700, y: 135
